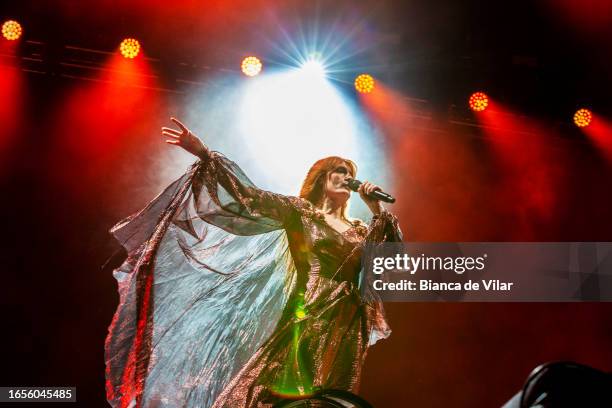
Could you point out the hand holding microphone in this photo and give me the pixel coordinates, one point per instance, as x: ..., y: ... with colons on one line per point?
x: 377, y: 194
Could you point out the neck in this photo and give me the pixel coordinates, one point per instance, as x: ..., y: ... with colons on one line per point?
x: 331, y: 207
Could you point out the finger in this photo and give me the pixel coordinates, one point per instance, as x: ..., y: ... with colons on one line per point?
x: 372, y: 187
x: 179, y: 124
x: 171, y: 135
x: 170, y: 130
x: 174, y: 142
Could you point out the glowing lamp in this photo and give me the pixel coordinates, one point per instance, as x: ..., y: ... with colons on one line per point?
x: 11, y: 30
x: 313, y: 68
x: 583, y: 117
x: 129, y: 48
x: 478, y: 101
x: 251, y: 66
x: 364, y: 83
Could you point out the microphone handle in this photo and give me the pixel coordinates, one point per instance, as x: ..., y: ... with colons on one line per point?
x: 379, y: 195
x: 382, y: 196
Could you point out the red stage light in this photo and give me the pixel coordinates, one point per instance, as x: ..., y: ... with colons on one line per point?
x: 251, y: 66
x: 478, y: 101
x: 11, y: 30
x: 129, y: 48
x: 364, y: 83
x: 582, y: 117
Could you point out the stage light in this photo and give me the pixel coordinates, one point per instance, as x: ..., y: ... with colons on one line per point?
x: 11, y: 30
x: 314, y: 68
x: 129, y: 48
x: 290, y: 119
x: 582, y: 117
x: 364, y: 83
x: 478, y: 101
x: 251, y: 66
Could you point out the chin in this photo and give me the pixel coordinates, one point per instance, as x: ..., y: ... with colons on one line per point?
x: 345, y: 194
x: 339, y: 194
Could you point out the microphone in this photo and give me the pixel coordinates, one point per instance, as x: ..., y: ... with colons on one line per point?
x: 379, y: 195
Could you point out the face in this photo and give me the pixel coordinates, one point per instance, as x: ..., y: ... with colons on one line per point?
x: 335, y: 187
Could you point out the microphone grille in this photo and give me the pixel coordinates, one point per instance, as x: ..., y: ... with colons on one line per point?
x: 353, y: 184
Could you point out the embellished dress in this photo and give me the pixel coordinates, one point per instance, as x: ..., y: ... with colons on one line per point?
x: 232, y: 296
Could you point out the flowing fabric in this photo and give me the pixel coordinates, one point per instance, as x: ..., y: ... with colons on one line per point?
x: 235, y: 297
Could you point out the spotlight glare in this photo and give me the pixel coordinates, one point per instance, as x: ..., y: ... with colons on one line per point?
x: 314, y: 68
x: 364, y: 83
x: 478, y: 101
x: 129, y: 48
x: 251, y: 66
x: 290, y: 119
x: 11, y: 30
x: 583, y: 117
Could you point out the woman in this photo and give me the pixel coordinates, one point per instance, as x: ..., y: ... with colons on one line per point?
x: 236, y: 297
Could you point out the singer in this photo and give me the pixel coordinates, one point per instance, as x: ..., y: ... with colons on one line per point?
x: 232, y: 296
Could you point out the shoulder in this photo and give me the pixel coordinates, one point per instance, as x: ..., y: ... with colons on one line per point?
x: 305, y: 207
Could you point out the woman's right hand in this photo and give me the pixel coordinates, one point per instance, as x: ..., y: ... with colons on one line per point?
x: 185, y: 139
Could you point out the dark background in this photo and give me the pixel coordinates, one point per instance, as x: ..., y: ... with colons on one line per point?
x: 541, y: 60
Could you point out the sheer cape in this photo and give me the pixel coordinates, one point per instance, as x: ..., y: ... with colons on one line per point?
x: 207, y: 277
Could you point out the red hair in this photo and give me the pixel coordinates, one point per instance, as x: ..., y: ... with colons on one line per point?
x: 313, y: 187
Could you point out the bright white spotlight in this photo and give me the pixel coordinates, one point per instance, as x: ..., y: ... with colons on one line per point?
x: 313, y: 68
x: 289, y: 120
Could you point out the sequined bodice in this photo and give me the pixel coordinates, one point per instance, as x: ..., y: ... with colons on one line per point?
x: 329, y: 253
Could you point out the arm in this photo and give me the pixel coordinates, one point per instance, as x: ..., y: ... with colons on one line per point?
x: 222, y: 177
x: 384, y: 226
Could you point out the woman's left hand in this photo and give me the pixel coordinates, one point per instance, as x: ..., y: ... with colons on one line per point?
x: 373, y: 204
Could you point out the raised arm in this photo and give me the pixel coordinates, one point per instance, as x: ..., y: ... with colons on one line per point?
x: 216, y: 170
x: 384, y: 227
x: 185, y: 139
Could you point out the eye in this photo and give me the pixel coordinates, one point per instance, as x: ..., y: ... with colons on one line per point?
x: 341, y: 170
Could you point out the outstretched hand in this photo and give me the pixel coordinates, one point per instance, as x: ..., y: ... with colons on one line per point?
x: 373, y: 204
x: 185, y: 139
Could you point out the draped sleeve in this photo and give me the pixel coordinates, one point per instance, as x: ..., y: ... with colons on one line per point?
x: 224, y: 196
x: 383, y: 228
x: 206, y: 278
